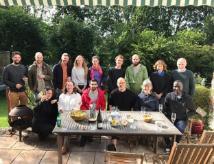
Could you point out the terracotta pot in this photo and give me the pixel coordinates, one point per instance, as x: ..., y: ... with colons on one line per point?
x: 197, y: 126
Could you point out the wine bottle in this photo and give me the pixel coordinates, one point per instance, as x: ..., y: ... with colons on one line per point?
x: 99, y: 120
x: 58, y: 120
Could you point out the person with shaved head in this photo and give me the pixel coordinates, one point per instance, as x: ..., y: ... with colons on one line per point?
x: 39, y: 74
x: 181, y: 104
x: 135, y: 74
x: 122, y: 97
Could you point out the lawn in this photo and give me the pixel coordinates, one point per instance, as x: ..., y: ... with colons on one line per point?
x: 3, y: 111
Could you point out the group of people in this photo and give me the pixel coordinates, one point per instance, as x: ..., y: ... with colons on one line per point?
x: 65, y: 88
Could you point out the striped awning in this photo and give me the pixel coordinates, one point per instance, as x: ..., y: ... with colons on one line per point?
x: 107, y: 2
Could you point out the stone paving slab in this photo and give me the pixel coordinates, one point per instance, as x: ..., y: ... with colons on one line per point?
x: 32, y: 157
x: 95, y: 145
x: 23, y: 146
x: 7, y: 142
x: 99, y: 158
x: 8, y: 155
x: 33, y: 151
x: 51, y: 157
x: 81, y: 158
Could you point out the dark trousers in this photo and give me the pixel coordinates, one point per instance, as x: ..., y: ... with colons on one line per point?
x: 42, y: 129
x: 180, y: 125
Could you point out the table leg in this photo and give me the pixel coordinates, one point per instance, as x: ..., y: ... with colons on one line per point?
x: 59, y: 143
x: 155, y: 144
x: 174, y: 138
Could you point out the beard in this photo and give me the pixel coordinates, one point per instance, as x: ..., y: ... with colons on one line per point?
x: 17, y: 62
x: 136, y: 64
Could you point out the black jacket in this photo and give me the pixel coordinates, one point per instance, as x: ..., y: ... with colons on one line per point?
x: 183, y: 107
x: 161, y: 84
x: 45, y: 113
x: 58, y: 75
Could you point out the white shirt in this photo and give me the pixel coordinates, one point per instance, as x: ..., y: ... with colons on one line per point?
x: 68, y: 102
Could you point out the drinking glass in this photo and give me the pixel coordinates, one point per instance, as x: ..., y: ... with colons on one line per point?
x: 113, y: 109
x: 173, y: 117
x: 143, y: 110
x: 160, y: 107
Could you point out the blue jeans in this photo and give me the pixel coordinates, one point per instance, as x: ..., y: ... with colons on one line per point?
x: 180, y: 125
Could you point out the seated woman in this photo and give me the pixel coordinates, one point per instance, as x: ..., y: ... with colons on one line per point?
x: 147, y: 99
x: 68, y: 101
x: 45, y: 114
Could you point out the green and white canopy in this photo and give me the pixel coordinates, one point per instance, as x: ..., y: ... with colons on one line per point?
x: 107, y: 2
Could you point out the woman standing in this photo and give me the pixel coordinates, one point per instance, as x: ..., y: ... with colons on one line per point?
x: 45, y: 114
x: 68, y: 101
x: 79, y: 73
x: 96, y: 71
x: 161, y: 80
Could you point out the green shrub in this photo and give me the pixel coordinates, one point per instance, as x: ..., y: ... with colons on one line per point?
x: 201, y: 99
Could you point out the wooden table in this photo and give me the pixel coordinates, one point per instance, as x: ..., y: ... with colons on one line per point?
x: 140, y: 128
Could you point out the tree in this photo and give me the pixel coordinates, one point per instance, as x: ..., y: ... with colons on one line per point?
x: 20, y: 31
x: 209, y: 29
x: 72, y: 37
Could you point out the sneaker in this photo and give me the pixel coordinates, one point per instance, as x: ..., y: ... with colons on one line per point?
x: 64, y: 150
x: 111, y: 147
x: 167, y: 150
x: 12, y: 131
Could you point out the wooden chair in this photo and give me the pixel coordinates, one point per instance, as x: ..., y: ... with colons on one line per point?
x: 207, y: 137
x: 123, y: 158
x: 189, y: 154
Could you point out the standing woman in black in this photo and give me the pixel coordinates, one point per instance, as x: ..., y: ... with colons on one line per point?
x: 161, y: 80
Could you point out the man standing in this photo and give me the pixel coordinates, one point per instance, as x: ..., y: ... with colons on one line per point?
x: 115, y: 73
x: 14, y: 76
x: 39, y: 74
x: 61, y: 73
x: 185, y: 76
x: 181, y: 104
x: 122, y: 97
x: 135, y: 75
x: 93, y: 96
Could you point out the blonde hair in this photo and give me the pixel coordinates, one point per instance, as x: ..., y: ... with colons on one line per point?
x: 160, y: 62
x: 119, y: 56
x: 84, y: 64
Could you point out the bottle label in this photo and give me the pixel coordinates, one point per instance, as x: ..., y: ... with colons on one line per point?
x: 100, y: 125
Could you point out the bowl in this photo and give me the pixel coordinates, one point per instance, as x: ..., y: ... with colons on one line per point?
x: 78, y: 115
x: 147, y: 118
x: 115, y: 123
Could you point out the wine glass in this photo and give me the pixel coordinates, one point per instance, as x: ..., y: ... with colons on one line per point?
x: 160, y: 107
x: 173, y: 117
x: 143, y: 110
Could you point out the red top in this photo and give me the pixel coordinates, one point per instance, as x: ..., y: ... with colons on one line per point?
x: 86, y: 100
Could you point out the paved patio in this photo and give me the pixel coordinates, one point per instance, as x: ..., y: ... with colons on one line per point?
x: 33, y: 151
